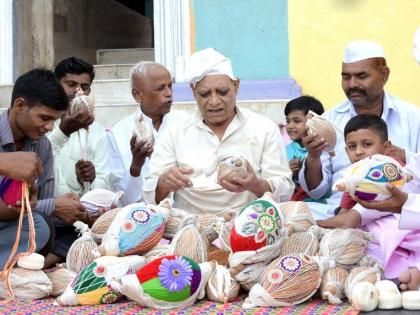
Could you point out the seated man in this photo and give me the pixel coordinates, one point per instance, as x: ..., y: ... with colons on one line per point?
x: 364, y: 74
x: 151, y: 88
x: 73, y: 132
x: 37, y: 101
x: 185, y: 154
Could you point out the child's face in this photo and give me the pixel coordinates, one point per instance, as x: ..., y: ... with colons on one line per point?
x: 364, y: 143
x: 296, y: 124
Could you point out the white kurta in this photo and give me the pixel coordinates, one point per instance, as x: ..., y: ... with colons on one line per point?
x: 403, y: 131
x: 193, y: 144
x: 120, y: 156
x: 67, y: 151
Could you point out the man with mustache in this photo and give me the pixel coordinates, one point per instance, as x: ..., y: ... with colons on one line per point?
x: 363, y: 77
x: 151, y: 88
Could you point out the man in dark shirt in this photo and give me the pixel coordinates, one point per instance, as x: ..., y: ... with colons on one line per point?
x: 37, y: 101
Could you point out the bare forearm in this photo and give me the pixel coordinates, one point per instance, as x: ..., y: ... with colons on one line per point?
x: 7, y: 214
x: 161, y: 192
x: 313, y: 172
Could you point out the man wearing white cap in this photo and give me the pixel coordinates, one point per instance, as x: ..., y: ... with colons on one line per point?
x: 364, y: 74
x: 185, y: 156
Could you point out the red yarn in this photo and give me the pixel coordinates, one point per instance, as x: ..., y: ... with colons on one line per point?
x: 241, y: 243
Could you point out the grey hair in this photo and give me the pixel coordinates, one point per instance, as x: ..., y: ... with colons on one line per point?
x: 140, y: 69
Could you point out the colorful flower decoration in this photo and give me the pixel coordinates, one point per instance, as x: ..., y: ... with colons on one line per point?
x: 99, y: 271
x: 110, y: 297
x: 128, y: 226
x: 275, y: 276
x: 175, y: 274
x: 140, y: 216
x: 290, y: 263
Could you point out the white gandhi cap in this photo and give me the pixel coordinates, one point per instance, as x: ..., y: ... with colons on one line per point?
x: 361, y: 50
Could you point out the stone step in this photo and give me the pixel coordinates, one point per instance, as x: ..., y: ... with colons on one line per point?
x: 114, y: 71
x: 124, y: 56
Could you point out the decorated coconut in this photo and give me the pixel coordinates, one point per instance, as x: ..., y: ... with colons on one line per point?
x: 142, y: 130
x: 257, y: 232
x: 288, y: 280
x: 102, y: 224
x: 80, y: 253
x: 189, y: 242
x: 28, y: 284
x: 100, y: 200
x: 93, y: 284
x: 332, y: 285
x: 346, y: 247
x: 167, y: 282
x: 231, y: 167
x: 367, y: 179
x: 320, y: 126
x: 136, y: 229
x: 60, y: 278
x: 222, y: 287
x: 297, y: 216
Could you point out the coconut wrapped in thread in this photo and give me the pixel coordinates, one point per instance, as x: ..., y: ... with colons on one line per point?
x: 359, y: 274
x: 142, y: 130
x: 167, y: 282
x: 189, y: 242
x: 207, y: 223
x: 80, y: 253
x: 320, y: 126
x: 102, y: 224
x: 249, y: 275
x: 288, y: 280
x: 158, y: 251
x: 28, y: 284
x: 173, y: 224
x: 332, y: 285
x: 367, y: 179
x: 223, y: 229
x: 93, y: 284
x: 346, y: 247
x: 231, y: 166
x: 60, y: 278
x: 257, y: 232
x: 306, y: 242
x: 297, y: 215
x: 136, y: 229
x: 82, y: 104
x: 101, y: 200
x: 222, y: 287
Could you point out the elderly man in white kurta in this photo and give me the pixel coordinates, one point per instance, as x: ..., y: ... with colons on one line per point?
x: 185, y: 153
x: 151, y: 85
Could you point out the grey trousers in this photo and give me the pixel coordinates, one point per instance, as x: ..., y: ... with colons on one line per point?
x: 8, y: 236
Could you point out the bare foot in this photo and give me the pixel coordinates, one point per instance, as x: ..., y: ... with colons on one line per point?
x: 410, y: 279
x: 348, y: 219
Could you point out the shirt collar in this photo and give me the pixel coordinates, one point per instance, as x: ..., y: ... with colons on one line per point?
x: 238, y: 119
x: 347, y: 106
x: 6, y: 135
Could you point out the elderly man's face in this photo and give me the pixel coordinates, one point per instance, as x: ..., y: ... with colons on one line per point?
x: 154, y: 92
x: 363, y: 81
x: 216, y: 98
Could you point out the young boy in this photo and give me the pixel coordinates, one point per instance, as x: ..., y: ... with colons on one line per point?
x: 296, y: 111
x: 365, y: 135
x: 397, y: 250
